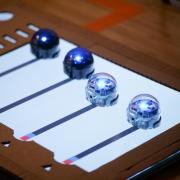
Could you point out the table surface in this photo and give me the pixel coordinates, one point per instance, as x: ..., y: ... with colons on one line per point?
x: 150, y: 33
x: 147, y: 27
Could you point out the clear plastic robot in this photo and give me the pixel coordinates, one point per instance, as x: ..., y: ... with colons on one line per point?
x: 144, y: 112
x: 101, y: 90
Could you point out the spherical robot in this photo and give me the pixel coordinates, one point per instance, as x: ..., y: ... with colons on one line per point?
x: 45, y: 44
x: 144, y: 112
x: 79, y: 63
x: 101, y: 90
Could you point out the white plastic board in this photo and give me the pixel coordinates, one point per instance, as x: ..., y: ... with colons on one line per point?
x: 90, y: 129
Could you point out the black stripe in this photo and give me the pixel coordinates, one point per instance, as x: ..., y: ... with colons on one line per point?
x: 32, y: 96
x: 18, y: 67
x: 64, y: 119
x: 106, y: 142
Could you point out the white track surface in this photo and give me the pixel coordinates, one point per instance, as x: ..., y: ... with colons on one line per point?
x: 88, y: 129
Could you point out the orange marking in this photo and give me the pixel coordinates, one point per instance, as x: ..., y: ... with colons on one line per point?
x: 112, y: 4
x: 120, y: 12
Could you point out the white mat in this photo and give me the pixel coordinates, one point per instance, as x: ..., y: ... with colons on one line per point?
x: 88, y: 129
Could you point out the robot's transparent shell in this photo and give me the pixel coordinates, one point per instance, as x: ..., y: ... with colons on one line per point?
x: 101, y: 90
x: 144, y: 112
